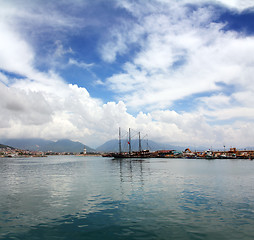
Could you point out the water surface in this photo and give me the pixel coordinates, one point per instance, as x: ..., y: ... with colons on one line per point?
x: 68, y: 197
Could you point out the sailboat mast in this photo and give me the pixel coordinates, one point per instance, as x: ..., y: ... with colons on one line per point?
x: 120, y: 147
x: 129, y: 141
x: 139, y: 142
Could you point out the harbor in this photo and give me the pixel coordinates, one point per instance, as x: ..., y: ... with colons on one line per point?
x: 232, y: 153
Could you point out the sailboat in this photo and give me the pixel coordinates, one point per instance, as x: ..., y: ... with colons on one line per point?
x: 131, y: 154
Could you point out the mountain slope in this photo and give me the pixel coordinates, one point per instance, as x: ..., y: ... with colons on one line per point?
x: 36, y: 144
x: 5, y: 146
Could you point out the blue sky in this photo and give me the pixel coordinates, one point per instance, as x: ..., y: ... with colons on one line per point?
x: 179, y: 71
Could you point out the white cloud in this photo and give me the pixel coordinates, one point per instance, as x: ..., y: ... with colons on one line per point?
x: 16, y: 55
x: 245, y: 97
x: 216, y: 101
x: 47, y: 14
x: 60, y: 50
x: 27, y: 108
x: 4, y: 79
x: 80, y: 64
x: 237, y: 4
x: 115, y: 43
x: 181, y: 56
x: 178, y: 56
x: 74, y: 114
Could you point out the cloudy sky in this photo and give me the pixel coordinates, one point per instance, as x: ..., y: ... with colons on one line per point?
x: 180, y: 71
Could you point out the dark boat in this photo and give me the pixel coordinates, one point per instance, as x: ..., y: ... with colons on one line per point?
x: 131, y: 154
x: 141, y: 154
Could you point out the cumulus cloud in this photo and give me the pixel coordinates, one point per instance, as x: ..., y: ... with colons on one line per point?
x: 28, y: 108
x: 77, y: 116
x: 178, y: 54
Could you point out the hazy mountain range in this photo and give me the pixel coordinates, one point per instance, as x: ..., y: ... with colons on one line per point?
x: 66, y: 145
x: 36, y: 144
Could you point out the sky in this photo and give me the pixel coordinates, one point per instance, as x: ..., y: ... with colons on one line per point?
x: 179, y: 71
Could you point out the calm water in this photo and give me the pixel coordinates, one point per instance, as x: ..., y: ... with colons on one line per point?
x: 99, y: 198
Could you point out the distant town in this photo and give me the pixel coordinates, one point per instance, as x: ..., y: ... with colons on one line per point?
x: 232, y: 153
x: 7, y: 151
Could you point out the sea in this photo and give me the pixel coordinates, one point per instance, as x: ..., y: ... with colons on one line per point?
x: 77, y: 197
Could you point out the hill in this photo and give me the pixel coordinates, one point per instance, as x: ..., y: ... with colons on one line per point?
x: 5, y: 146
x: 37, y: 144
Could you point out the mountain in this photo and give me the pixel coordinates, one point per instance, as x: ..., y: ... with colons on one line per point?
x: 5, y: 146
x: 37, y: 144
x: 113, y: 146
x: 109, y: 146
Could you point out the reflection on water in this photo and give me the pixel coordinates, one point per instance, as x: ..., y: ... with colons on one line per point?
x: 101, y: 198
x: 130, y: 169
